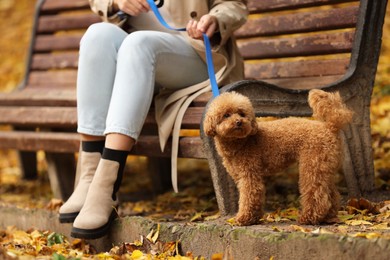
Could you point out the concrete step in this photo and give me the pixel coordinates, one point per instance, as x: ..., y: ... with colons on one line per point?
x: 217, y: 236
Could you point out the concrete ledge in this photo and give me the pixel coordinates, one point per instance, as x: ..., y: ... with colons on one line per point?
x: 207, y: 238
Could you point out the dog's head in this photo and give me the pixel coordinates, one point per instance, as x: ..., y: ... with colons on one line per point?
x: 230, y: 115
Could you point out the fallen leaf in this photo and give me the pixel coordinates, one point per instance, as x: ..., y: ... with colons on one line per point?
x: 357, y: 222
x: 299, y: 228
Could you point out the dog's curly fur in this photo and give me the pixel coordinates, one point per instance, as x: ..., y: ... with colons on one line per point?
x: 252, y: 150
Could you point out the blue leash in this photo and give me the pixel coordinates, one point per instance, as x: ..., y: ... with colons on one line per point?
x: 209, y: 57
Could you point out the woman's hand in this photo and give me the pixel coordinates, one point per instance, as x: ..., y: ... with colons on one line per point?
x: 132, y: 7
x: 207, y: 24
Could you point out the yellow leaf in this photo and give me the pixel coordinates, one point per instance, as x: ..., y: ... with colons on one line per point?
x: 218, y: 256
x: 21, y: 237
x: 213, y: 217
x: 345, y: 217
x: 276, y: 229
x: 371, y: 235
x: 197, y: 216
x: 231, y: 221
x: 153, y: 235
x: 299, y: 228
x: 380, y: 226
x: 343, y: 229
x: 357, y: 222
x: 137, y: 254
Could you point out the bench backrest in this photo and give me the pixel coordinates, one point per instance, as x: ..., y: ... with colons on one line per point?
x: 294, y: 44
x: 300, y: 44
x: 60, y: 25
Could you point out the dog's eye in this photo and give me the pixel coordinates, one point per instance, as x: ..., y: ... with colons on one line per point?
x: 227, y: 115
x: 242, y: 114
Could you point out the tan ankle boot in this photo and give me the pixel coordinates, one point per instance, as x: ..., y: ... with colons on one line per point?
x: 95, y: 217
x: 87, y: 165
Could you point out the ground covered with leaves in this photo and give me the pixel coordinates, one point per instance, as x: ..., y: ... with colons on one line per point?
x: 195, y: 202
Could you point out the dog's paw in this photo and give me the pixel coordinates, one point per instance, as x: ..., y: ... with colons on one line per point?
x: 246, y: 220
x: 308, y: 220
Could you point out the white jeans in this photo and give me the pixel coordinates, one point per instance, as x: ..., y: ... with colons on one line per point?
x: 118, y: 73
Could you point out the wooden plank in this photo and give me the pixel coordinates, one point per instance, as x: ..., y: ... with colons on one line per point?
x: 64, y: 117
x: 300, y: 22
x: 191, y: 119
x: 320, y: 44
x: 49, y: 96
x: 52, y: 6
x: 295, y: 69
x: 45, y: 61
x: 189, y: 147
x: 48, y: 43
x: 34, y: 141
x: 54, y: 23
x: 304, y: 83
x: 56, y: 78
x: 39, y: 96
x: 256, y: 6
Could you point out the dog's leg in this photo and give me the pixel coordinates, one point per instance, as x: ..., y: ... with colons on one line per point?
x: 335, y: 197
x: 251, y: 201
x: 317, y: 189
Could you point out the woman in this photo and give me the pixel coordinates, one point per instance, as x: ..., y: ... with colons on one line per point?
x: 124, y: 63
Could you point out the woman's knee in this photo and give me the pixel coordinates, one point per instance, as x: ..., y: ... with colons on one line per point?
x: 102, y: 35
x: 142, y: 41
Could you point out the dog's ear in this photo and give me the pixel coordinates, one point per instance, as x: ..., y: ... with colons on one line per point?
x: 209, y: 125
x: 254, y: 126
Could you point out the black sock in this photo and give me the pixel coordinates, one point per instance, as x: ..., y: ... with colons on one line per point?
x: 93, y: 146
x: 120, y: 157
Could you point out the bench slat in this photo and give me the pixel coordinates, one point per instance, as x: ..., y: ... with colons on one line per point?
x: 39, y: 96
x: 268, y: 48
x: 66, y: 117
x: 54, y: 23
x: 189, y: 147
x: 52, y: 6
x: 258, y: 70
x: 48, y: 43
x: 300, y: 23
x: 55, y: 78
x: 257, y: 6
x: 296, y: 69
x: 45, y: 61
x: 321, y: 44
x: 305, y: 82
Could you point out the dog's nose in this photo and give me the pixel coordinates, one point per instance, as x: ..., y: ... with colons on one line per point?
x: 238, y: 123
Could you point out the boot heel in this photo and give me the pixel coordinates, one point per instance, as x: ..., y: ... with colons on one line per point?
x: 96, y: 232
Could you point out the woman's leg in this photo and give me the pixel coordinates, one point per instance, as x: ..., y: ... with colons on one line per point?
x: 143, y: 59
x: 97, y: 62
x: 146, y: 58
x: 97, y: 68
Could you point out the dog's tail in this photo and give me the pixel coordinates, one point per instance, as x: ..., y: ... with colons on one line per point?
x: 330, y: 108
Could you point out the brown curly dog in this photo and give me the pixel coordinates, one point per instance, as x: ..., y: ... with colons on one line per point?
x: 252, y: 150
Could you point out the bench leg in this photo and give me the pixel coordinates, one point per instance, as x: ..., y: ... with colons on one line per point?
x: 224, y: 186
x: 358, y: 161
x: 28, y: 165
x: 159, y: 170
x: 61, y: 171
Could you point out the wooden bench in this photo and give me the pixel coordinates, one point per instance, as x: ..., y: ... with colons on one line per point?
x: 291, y: 44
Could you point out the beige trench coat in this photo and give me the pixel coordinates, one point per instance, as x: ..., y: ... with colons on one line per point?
x: 171, y: 106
